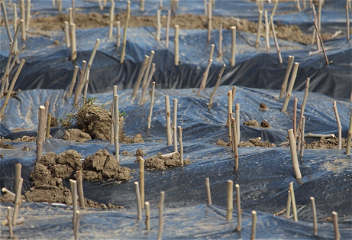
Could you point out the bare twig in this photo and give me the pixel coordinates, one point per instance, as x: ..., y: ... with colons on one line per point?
x: 167, y: 29
x: 288, y: 70
x: 147, y: 216
x: 73, y: 81
x: 207, y: 188
x: 140, y: 76
x: 151, y: 106
x: 141, y: 180
x: 80, y: 189
x: 293, y: 199
x: 321, y: 42
x: 216, y: 87
x: 336, y: 225
x: 275, y: 39
x: 18, y: 202
x: 290, y: 87
x: 176, y: 46
x: 138, y: 199
x: 239, y: 210
x: 123, y: 53
x: 294, y: 154
x: 229, y: 200
x: 233, y: 46
x: 259, y: 29
x: 161, y: 220
x: 314, y: 212
x: 180, y: 129
x: 254, y: 225
x: 339, y: 127
x: 168, y: 126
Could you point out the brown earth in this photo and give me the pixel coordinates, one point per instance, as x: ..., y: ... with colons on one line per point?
x: 6, y: 146
x: 161, y: 162
x: 265, y: 124
x: 76, y: 135
x: 185, y: 21
x: 254, y: 142
x: 140, y: 153
x: 22, y: 139
x: 263, y: 106
x: 251, y: 123
x: 327, y: 143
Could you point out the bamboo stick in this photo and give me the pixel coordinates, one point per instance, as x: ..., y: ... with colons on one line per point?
x: 312, y: 135
x: 9, y: 220
x: 205, y: 8
x: 336, y: 225
x: 347, y: 24
x: 288, y: 70
x: 80, y: 82
x: 70, y: 16
x: 266, y: 30
x: 239, y: 210
x: 168, y: 126
x: 229, y: 109
x: 116, y: 127
x: 233, y: 93
x: 140, y: 76
x: 290, y: 87
x: 100, y: 5
x: 295, y: 165
x: 275, y: 39
x: 161, y: 220
x: 233, y: 46
x: 205, y: 76
x: 254, y: 225
x: 5, y: 190
x: 123, y: 53
x: 73, y: 185
x: 294, y: 118
x: 321, y: 43
x: 238, y: 130
x: 18, y: 202
x: 151, y: 106
x: 80, y: 189
x: 73, y: 42
x: 11, y: 88
x: 229, y: 200
x: 216, y: 86
x: 176, y: 46
x: 209, y: 21
x: 320, y: 5
x: 207, y: 188
x: 28, y: 14
x: 118, y: 35
x: 315, y: 34
x: 48, y: 122
x: 167, y: 29
x: 158, y: 25
x: 293, y: 200
x: 73, y: 10
x: 314, y: 212
x: 339, y: 127
x: 92, y: 55
x: 302, y: 135
x: 138, y: 198
x: 180, y: 129
x: 141, y: 7
x: 212, y: 47
x: 18, y: 169
x: 273, y: 11
x: 4, y: 13
x: 147, y: 216
x: 76, y: 230
x: 235, y: 143
x: 86, y: 88
x: 306, y: 93
x: 40, y: 135
x: 145, y: 88
x: 23, y: 17
x: 259, y: 29
x: 111, y: 24
x: 288, y: 205
x: 59, y: 5
x: 15, y: 20
x: 174, y: 124
x: 349, y: 137
x: 141, y: 180
x: 67, y: 35
x: 147, y: 71
x: 113, y: 120
x: 220, y: 41
x: 73, y: 81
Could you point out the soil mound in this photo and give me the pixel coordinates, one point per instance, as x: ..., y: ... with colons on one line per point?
x: 265, y: 124
x: 263, y: 106
x: 6, y: 146
x: 251, y: 123
x: 256, y: 142
x: 76, y: 135
x: 140, y: 153
x: 103, y: 165
x: 327, y: 143
x: 161, y: 162
x: 221, y: 142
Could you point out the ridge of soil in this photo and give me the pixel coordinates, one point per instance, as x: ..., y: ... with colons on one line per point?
x: 162, y: 162
x: 253, y: 142
x: 327, y: 143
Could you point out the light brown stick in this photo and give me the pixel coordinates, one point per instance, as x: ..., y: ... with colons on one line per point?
x: 4, y: 13
x: 321, y: 42
x: 140, y: 76
x: 347, y: 23
x: 73, y: 82
x: 306, y: 93
x: 76, y: 230
x: 315, y: 34
x: 349, y: 137
x: 48, y: 123
x: 259, y: 29
x: 339, y: 127
x: 229, y: 200
x: 238, y: 130
x: 41, y: 133
x: 80, y: 82
x: 118, y: 35
x: 158, y: 25
x: 293, y: 199
x: 209, y: 21
x: 294, y: 118
x: 111, y: 23
x: 28, y: 14
x: 80, y: 189
x: 180, y: 129
x: 290, y: 87
x: 288, y: 70
x: 148, y: 71
x: 336, y: 225
x: 174, y: 123
x: 266, y: 30
x: 161, y: 220
x: 116, y: 127
x: 205, y: 77
x: 314, y: 212
x: 254, y: 225
x: 147, y: 216
x: 235, y: 143
x: 73, y: 42
x: 18, y: 169
x: 123, y: 53
x: 73, y: 185
x: 207, y: 188
x: 275, y: 39
x: 167, y: 28
x: 141, y: 180
x: 151, y: 106
x: 220, y: 41
x: 9, y: 220
x: 216, y: 86
x: 168, y: 126
x: 176, y: 46
x: 18, y: 202
x: 138, y: 198
x: 233, y: 46
x: 239, y: 210
x: 23, y: 17
x: 146, y: 86
x: 229, y: 108
x: 141, y: 7
x: 294, y: 154
x: 288, y: 205
x: 302, y: 135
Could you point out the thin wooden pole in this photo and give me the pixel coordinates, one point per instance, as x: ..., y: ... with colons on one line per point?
x: 167, y: 28
x: 229, y: 108
x: 161, y: 220
x: 347, y: 23
x: 235, y: 143
x: 314, y: 212
x: 239, y: 210
x: 18, y: 170
x: 207, y: 188
x: 41, y: 133
x: 141, y: 180
x: 118, y: 35
x: 138, y: 198
x: 158, y: 25
x: 220, y: 41
x: 23, y: 17
x: 122, y: 59
x: 306, y: 93
x: 73, y: 82
x: 275, y: 39
x: 80, y: 189
x: 229, y: 200
x: 209, y: 21
x: 116, y: 127
x: 176, y: 45
x: 151, y: 106
x: 28, y: 14
x: 288, y: 205
x: 321, y: 42
x: 76, y: 230
x: 266, y: 30
x: 293, y: 199
x: 140, y: 76
x: 205, y: 77
x: 349, y: 137
x: 174, y: 124
x: 80, y: 82
x: 336, y: 225
x: 288, y: 70
x: 18, y: 202
x: 315, y: 34
x: 67, y: 35
x: 147, y: 216
x: 141, y: 7
x: 73, y: 185
x: 254, y: 225
x: 294, y: 118
x: 180, y: 129
x: 73, y: 42
x: 48, y: 123
x: 4, y: 13
x: 146, y: 86
x: 9, y: 219
x: 111, y: 23
x: 294, y: 154
x: 216, y: 86
x: 148, y: 71
x: 339, y: 127
x: 290, y: 87
x: 233, y: 46
x: 238, y: 129
x: 259, y: 29
x: 168, y: 126
x: 302, y: 135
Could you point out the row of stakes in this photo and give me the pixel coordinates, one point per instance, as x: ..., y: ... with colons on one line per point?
x: 77, y: 186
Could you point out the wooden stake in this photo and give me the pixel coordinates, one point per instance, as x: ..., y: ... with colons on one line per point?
x: 212, y: 47
x: 146, y: 86
x: 254, y: 225
x: 348, y: 24
x: 151, y: 106
x: 15, y: 20
x: 80, y: 189
x: 294, y: 118
x: 73, y: 10
x: 273, y: 12
x: 147, y: 72
x: 23, y: 17
x: 216, y: 86
x: 321, y: 43
x: 275, y: 39
x: 167, y: 29
x: 86, y: 88
x: 73, y: 185
x: 229, y: 200
x: 336, y: 225
x: 67, y: 35
x: 349, y: 137
x: 290, y: 87
x: 158, y: 25
x: 118, y: 35
x: 207, y: 188
x: 239, y: 210
x: 18, y: 202
x: 9, y: 220
x: 161, y: 220
x: 180, y: 129
x: 235, y: 143
x: 259, y: 29
x: 125, y: 32
x: 339, y: 127
x: 205, y: 8
x: 28, y: 14
x: 205, y: 77
x: 48, y: 123
x: 116, y: 127
x: 73, y: 42
x: 174, y: 124
x: 229, y: 107
x: 176, y: 46
x: 111, y: 24
x: 168, y: 126
x: 220, y: 41
x: 294, y: 154
x: 233, y: 93
x: 141, y: 180
x: 41, y: 134
x: 302, y: 135
x: 4, y: 13
x: 147, y: 216
x: 320, y: 5
x: 138, y: 197
x: 266, y: 30
x: 81, y: 81
x: 141, y: 7
x: 73, y: 81
x: 113, y: 120
x: 288, y: 205
x: 59, y: 5
x: 293, y: 199
x: 140, y: 76
x: 233, y: 46
x: 314, y: 211
x: 18, y: 169
x: 238, y: 130
x: 306, y: 92
x: 209, y: 21
x: 76, y: 230
x: 315, y: 34
x: 288, y: 70
x: 100, y: 5
x: 70, y: 20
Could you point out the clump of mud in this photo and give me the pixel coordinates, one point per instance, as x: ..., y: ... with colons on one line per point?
x: 6, y: 146
x: 263, y: 106
x: 251, y: 123
x: 327, y: 143
x: 265, y: 124
x: 161, y: 162
x: 221, y: 142
x: 54, y: 122
x: 256, y: 142
x: 76, y: 135
x: 140, y: 153
x: 102, y: 165
x: 21, y: 139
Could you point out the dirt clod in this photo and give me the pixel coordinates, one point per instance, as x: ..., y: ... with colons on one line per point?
x: 221, y: 142
x: 161, y: 162
x: 265, y: 124
x: 140, y: 153
x: 256, y: 142
x: 263, y: 106
x: 54, y: 122
x: 76, y: 135
x: 6, y: 146
x: 251, y: 123
x: 327, y: 143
